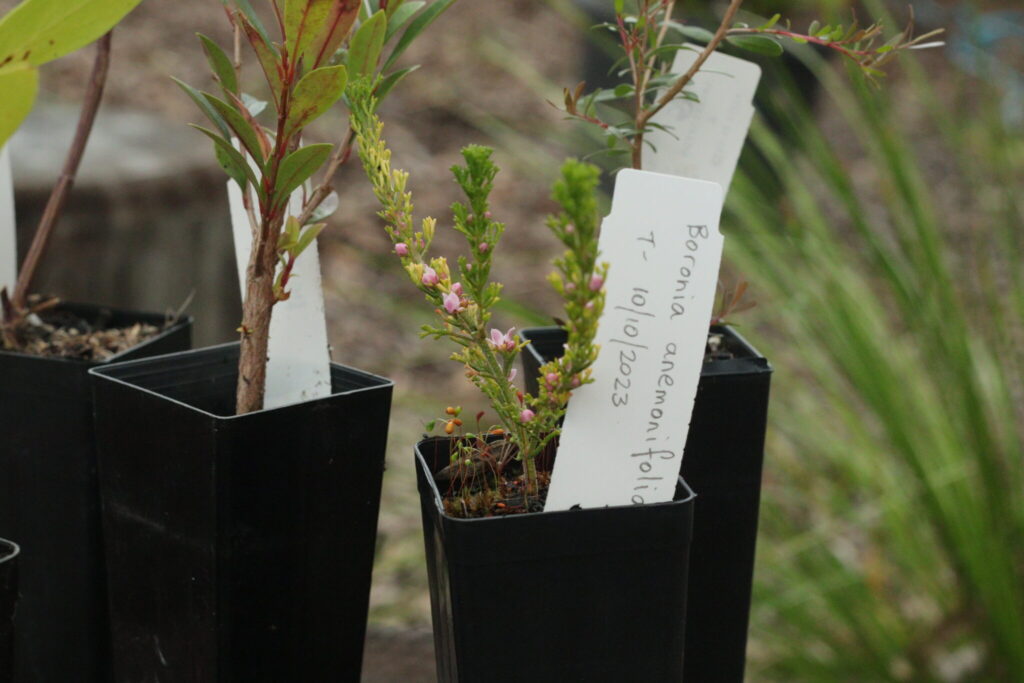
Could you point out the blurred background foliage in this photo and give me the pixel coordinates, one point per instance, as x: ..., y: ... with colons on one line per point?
x: 881, y: 232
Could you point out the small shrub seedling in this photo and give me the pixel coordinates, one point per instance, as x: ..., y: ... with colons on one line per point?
x: 324, y: 44
x: 650, y: 38
x: 463, y: 298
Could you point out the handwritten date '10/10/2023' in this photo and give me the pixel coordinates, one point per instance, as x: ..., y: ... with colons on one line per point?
x: 621, y: 441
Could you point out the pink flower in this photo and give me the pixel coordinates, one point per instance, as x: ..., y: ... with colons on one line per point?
x: 575, y: 381
x: 430, y: 277
x: 570, y: 229
x: 503, y: 342
x: 457, y: 288
x: 596, y: 281
x: 452, y: 303
x: 483, y: 247
x: 526, y: 415
x: 402, y: 249
x: 552, y: 378
x: 487, y: 215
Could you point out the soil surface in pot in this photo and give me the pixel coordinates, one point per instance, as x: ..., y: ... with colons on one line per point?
x: 62, y: 334
x: 485, y: 480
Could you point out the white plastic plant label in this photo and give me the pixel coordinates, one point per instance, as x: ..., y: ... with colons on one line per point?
x: 705, y: 138
x: 622, y: 441
x: 8, y: 227
x: 299, y: 365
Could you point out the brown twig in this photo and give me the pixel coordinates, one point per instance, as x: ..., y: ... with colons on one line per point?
x: 644, y: 115
x: 341, y: 155
x: 59, y: 195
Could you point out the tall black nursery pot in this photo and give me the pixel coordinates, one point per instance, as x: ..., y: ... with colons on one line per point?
x: 722, y: 461
x: 8, y: 600
x: 239, y: 548
x: 49, y: 502
x: 581, y: 595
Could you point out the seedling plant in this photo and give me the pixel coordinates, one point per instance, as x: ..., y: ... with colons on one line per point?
x: 463, y: 299
x: 322, y: 46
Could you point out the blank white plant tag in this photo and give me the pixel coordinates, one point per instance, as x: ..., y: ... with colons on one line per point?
x: 8, y: 227
x: 299, y: 365
x: 705, y: 138
x: 622, y: 441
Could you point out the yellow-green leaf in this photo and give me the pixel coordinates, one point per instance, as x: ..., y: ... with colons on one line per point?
x: 335, y: 29
x: 314, y: 94
x: 239, y: 125
x: 366, y: 44
x: 265, y: 53
x: 220, y: 64
x: 298, y: 166
x: 37, y: 31
x: 303, y: 22
x: 228, y: 151
x: 19, y: 89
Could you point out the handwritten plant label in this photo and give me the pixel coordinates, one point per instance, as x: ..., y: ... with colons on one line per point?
x: 8, y: 228
x: 705, y: 138
x: 622, y: 441
x: 299, y: 365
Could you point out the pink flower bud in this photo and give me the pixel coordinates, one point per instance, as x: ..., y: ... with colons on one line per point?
x: 457, y: 288
x: 570, y: 229
x: 469, y: 218
x: 589, y: 306
x: 526, y: 415
x: 430, y: 277
x: 483, y: 247
x: 452, y: 303
x: 402, y: 249
x: 552, y: 378
x: 596, y: 282
x: 570, y: 287
x: 575, y: 382
x: 487, y: 215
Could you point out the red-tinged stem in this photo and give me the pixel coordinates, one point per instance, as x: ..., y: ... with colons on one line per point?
x: 839, y: 47
x: 58, y: 198
x: 644, y: 116
x: 340, y: 156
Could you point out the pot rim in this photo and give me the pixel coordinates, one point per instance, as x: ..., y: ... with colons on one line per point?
x: 183, y: 321
x: 422, y: 463
x: 105, y: 373
x: 8, y: 550
x: 753, y: 363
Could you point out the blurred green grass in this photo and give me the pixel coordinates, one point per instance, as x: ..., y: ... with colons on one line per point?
x: 884, y: 243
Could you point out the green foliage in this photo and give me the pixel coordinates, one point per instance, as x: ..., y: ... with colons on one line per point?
x: 298, y: 166
x: 649, y: 39
x: 303, y: 86
x: 893, y: 523
x: 39, y: 31
x: 367, y: 44
x: 220, y: 65
x: 464, y: 302
x: 315, y: 93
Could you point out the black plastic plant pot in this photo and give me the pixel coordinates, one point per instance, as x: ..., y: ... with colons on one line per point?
x: 49, y: 502
x: 722, y: 462
x: 8, y: 600
x: 581, y: 595
x: 239, y: 548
